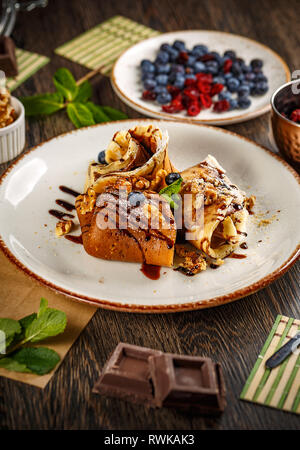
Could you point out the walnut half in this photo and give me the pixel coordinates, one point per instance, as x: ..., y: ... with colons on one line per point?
x: 63, y: 227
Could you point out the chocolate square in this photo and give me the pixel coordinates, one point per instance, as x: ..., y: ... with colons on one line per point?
x: 189, y: 383
x: 8, y: 62
x: 127, y: 374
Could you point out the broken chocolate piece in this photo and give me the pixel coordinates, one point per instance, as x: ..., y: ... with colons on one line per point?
x: 8, y: 62
x: 190, y: 383
x: 127, y: 375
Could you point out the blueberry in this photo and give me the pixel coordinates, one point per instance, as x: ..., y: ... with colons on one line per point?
x: 191, y: 61
x: 227, y: 75
x: 256, y: 63
x: 199, y: 67
x: 159, y: 89
x: 241, y: 77
x: 233, y: 103
x: 177, y: 68
x: 162, y: 79
x: 259, y: 88
x: 190, y: 76
x: 230, y: 53
x: 136, y: 198
x: 250, y: 76
x: 163, y: 68
x: 165, y: 47
x: 101, y: 157
x: 162, y: 57
x: 243, y: 90
x: 212, y: 67
x: 217, y: 57
x: 219, y: 79
x: 164, y: 98
x: 233, y: 84
x: 261, y: 77
x: 224, y: 95
x: 147, y: 76
x: 179, y: 45
x: 200, y: 48
x: 236, y: 68
x: 150, y: 84
x: 246, y: 68
x: 173, y: 54
x: 147, y: 66
x: 179, y: 82
x: 172, y: 177
x: 244, y: 102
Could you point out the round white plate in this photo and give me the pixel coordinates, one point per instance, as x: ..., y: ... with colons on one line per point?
x: 29, y: 188
x: 126, y: 82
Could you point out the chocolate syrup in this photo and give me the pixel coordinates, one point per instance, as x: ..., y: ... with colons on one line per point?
x: 244, y: 245
x: 237, y: 256
x: 151, y: 271
x: 68, y: 206
x: 75, y: 239
x: 69, y: 191
x: 61, y: 215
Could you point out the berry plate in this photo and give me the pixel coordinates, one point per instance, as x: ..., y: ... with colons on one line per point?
x: 126, y: 75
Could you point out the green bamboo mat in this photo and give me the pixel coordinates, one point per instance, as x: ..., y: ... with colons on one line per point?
x: 278, y: 387
x: 104, y: 43
x: 28, y: 64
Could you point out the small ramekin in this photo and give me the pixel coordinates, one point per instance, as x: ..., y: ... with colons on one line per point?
x: 286, y: 133
x: 12, y: 137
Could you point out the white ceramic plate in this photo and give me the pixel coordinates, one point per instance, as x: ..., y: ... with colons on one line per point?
x: 31, y: 185
x: 126, y: 74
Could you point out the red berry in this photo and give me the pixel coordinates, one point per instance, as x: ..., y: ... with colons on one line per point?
x: 190, y: 82
x: 173, y: 90
x: 216, y: 88
x: 204, y: 87
x: 171, y: 109
x: 206, y: 57
x: 182, y: 58
x: 194, y: 109
x: 205, y: 100
x: 149, y: 95
x: 221, y: 105
x: 295, y: 115
x: 191, y: 93
x: 205, y: 77
x: 227, y: 65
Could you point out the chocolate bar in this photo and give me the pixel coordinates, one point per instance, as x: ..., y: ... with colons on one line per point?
x: 190, y: 383
x: 8, y: 62
x: 142, y: 375
x: 127, y: 375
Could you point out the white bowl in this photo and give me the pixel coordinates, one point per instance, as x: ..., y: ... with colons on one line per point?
x: 12, y: 137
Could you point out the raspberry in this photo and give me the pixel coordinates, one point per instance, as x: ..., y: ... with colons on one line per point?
x: 205, y: 77
x: 204, y: 87
x: 216, y: 89
x: 149, y: 95
x: 205, y: 100
x: 227, y: 65
x: 295, y: 115
x: 171, y: 109
x: 206, y: 57
x: 190, y: 82
x: 191, y: 93
x: 182, y: 58
x: 221, y: 105
x: 173, y: 90
x: 194, y: 109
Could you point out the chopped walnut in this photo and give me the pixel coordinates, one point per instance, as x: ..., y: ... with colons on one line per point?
x: 250, y: 202
x: 88, y: 201
x: 7, y: 112
x: 193, y: 262
x: 160, y: 175
x: 141, y: 183
x: 63, y: 227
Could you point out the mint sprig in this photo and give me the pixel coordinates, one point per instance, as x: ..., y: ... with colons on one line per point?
x: 75, y: 98
x: 171, y: 193
x: 20, y: 357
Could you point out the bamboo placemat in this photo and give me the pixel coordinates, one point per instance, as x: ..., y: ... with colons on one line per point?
x: 28, y: 64
x: 104, y: 43
x: 278, y: 387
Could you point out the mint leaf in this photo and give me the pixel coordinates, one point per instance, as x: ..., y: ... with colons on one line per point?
x: 49, y: 323
x: 84, y: 92
x: 39, y: 360
x: 43, y: 103
x: 65, y: 83
x: 113, y: 114
x: 9, y: 363
x: 9, y: 328
x: 98, y: 113
x: 43, y: 307
x: 170, y: 193
x: 80, y: 115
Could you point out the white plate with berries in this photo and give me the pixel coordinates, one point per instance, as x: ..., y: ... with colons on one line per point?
x: 199, y: 76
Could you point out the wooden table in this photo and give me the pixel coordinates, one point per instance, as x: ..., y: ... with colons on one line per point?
x: 231, y: 334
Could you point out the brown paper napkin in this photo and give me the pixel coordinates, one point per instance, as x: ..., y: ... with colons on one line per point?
x: 20, y: 296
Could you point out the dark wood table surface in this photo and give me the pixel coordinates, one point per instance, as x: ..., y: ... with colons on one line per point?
x: 232, y: 334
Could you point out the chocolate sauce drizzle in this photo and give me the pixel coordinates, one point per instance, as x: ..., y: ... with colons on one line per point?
x: 68, y: 190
